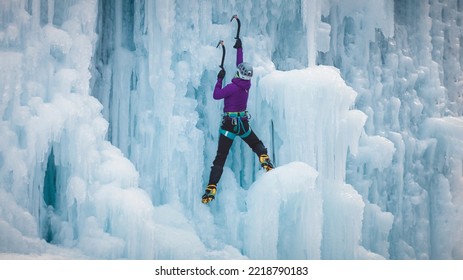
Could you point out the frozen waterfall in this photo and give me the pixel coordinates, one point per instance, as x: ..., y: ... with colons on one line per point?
x: 109, y: 129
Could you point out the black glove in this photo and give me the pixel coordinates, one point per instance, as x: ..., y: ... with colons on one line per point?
x: 221, y: 74
x: 238, y: 44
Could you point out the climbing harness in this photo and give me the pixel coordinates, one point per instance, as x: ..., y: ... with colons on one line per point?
x: 234, y: 115
x: 238, y: 125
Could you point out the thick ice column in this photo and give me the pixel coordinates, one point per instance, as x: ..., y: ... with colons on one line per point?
x: 312, y: 117
x: 444, y: 155
x: 318, y: 32
x: 314, y: 124
x: 284, y: 218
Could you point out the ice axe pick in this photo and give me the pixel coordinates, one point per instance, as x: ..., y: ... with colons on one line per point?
x: 223, y: 52
x: 239, y: 25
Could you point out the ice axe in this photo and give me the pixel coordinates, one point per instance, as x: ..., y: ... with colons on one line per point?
x: 223, y: 53
x: 239, y: 25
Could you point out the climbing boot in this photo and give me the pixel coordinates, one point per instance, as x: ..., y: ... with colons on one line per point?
x: 265, y: 162
x: 209, y: 194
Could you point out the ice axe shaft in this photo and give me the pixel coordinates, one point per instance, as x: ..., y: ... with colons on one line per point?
x: 223, y: 52
x: 239, y: 25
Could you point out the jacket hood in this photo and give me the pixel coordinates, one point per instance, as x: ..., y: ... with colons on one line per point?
x: 244, y: 84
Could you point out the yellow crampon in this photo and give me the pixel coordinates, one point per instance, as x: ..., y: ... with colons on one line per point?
x: 209, y: 194
x: 265, y: 162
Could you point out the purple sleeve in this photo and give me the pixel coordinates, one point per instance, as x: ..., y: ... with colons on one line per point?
x: 239, y: 56
x: 219, y: 92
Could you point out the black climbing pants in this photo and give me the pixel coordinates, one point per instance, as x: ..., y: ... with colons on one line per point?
x: 225, y: 143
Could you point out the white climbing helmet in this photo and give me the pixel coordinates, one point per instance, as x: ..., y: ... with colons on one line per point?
x: 245, y: 71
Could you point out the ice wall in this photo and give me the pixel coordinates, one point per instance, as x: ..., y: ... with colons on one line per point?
x: 62, y: 182
x: 375, y: 133
x: 284, y: 215
x: 313, y: 122
x: 402, y: 81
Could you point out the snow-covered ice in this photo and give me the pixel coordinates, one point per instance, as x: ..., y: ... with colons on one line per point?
x: 108, y: 129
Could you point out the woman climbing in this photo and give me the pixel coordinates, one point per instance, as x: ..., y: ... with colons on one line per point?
x: 235, y: 121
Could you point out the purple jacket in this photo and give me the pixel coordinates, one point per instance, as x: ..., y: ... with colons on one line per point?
x: 235, y: 94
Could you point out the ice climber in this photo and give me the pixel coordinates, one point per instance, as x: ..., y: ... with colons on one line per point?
x: 235, y: 121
